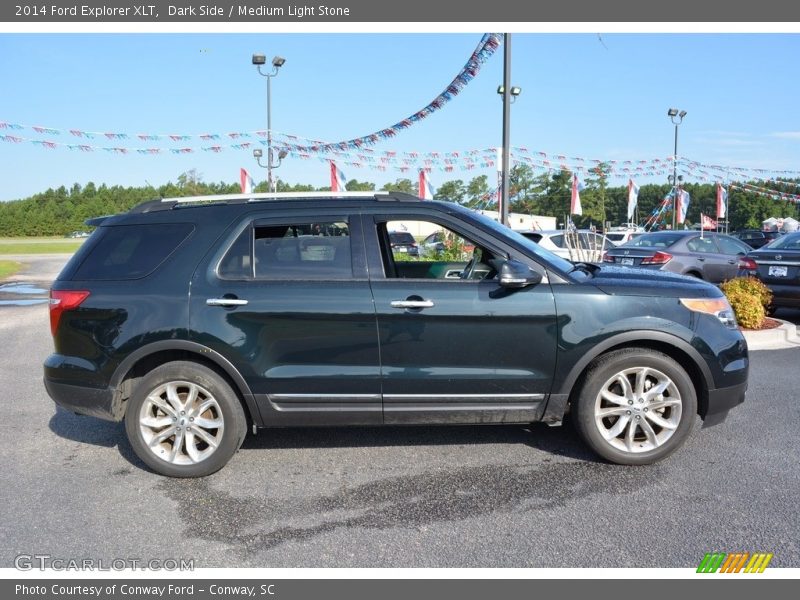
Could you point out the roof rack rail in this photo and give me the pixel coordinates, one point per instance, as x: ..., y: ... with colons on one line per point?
x: 170, y: 203
x: 273, y: 196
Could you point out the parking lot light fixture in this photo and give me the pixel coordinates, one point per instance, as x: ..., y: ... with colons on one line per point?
x: 260, y: 60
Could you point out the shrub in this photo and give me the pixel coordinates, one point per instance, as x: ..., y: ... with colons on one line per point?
x: 749, y: 298
x: 750, y: 286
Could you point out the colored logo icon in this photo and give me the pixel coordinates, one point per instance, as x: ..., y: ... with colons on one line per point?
x: 737, y: 562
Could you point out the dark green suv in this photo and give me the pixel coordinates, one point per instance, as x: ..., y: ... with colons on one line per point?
x: 198, y: 319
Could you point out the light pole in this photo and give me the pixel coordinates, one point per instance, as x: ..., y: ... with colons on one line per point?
x: 507, y: 91
x: 676, y: 116
x: 260, y: 60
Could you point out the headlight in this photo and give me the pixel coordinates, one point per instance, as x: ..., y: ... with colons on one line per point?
x: 717, y: 307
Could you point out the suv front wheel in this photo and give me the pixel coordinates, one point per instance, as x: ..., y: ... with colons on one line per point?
x: 184, y: 420
x: 635, y: 407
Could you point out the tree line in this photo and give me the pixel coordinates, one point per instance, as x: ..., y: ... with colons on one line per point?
x: 60, y: 211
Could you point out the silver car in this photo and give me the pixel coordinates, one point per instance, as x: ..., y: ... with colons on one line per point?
x: 710, y: 256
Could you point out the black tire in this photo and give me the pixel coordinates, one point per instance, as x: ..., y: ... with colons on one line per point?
x: 209, y: 431
x: 633, y: 445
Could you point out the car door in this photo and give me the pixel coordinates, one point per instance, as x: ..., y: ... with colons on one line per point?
x: 286, y: 300
x: 455, y: 346
x: 733, y: 250
x: 705, y: 256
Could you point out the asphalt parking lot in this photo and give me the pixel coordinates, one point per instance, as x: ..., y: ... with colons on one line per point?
x: 492, y: 496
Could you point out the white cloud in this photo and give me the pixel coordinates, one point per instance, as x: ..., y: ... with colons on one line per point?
x: 787, y: 135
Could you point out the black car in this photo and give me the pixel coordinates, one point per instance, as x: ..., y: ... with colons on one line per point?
x: 778, y: 266
x: 756, y: 238
x: 710, y: 256
x: 402, y: 241
x: 198, y: 319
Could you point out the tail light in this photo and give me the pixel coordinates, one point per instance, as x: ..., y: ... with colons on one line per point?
x: 607, y: 258
x: 747, y: 264
x: 61, y: 300
x: 659, y: 258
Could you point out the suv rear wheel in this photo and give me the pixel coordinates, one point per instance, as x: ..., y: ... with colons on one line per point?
x: 184, y: 420
x: 636, y: 406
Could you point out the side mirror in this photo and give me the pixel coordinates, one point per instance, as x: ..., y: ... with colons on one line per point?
x: 514, y: 274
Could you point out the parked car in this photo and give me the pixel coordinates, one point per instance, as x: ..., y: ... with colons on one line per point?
x: 778, y: 266
x: 437, y: 242
x: 581, y: 245
x: 620, y: 237
x: 710, y: 256
x: 196, y: 320
x: 402, y: 241
x: 756, y: 238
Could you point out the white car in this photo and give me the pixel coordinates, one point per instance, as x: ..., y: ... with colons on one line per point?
x: 620, y: 237
x: 577, y: 246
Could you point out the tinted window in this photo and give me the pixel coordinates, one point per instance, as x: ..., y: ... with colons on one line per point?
x: 655, y: 240
x: 790, y: 241
x: 290, y: 251
x: 533, y: 236
x: 401, y: 237
x: 558, y: 240
x: 131, y: 251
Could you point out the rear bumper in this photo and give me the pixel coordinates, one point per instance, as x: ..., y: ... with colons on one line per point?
x: 720, y: 401
x: 102, y: 403
x: 785, y: 295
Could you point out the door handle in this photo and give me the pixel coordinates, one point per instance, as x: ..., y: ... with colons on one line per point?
x: 731, y: 262
x: 412, y: 304
x: 701, y: 259
x: 225, y: 302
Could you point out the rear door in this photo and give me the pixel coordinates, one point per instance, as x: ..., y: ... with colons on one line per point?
x: 705, y: 257
x: 286, y: 300
x: 732, y: 250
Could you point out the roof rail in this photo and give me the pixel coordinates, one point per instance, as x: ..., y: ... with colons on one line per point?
x: 274, y: 196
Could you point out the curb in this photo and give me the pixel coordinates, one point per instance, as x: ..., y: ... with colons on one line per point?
x: 779, y: 338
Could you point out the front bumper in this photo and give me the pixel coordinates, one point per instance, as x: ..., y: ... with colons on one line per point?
x: 720, y: 401
x: 102, y: 403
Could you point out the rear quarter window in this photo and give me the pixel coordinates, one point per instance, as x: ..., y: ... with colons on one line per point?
x: 124, y: 252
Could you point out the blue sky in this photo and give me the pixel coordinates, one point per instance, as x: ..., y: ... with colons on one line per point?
x: 583, y: 96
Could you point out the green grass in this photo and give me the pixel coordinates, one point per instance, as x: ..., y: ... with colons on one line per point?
x: 39, y: 245
x: 8, y: 268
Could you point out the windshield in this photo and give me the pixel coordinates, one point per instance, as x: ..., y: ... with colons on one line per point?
x: 790, y: 241
x: 655, y: 240
x: 560, y: 263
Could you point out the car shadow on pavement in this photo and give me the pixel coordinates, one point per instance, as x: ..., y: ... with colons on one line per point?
x: 561, y: 441
x: 95, y: 432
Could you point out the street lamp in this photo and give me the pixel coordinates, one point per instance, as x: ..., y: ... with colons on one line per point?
x: 258, y: 154
x: 676, y: 116
x: 259, y: 60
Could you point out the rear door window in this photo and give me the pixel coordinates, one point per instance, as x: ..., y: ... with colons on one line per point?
x: 290, y: 250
